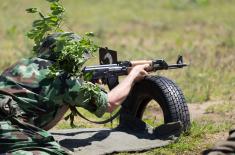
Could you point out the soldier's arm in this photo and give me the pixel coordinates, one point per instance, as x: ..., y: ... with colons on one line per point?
x: 102, y: 102
x: 117, y: 95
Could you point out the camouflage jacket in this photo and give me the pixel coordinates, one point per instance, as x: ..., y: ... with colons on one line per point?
x: 39, y: 97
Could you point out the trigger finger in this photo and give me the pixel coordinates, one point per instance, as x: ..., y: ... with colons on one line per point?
x: 147, y: 67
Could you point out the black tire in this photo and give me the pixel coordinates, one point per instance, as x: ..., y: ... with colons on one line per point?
x: 165, y: 92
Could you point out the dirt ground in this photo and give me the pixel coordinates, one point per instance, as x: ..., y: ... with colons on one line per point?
x: 215, y: 111
x: 198, y: 110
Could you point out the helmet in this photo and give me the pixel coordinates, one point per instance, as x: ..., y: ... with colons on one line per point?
x: 45, y: 49
x: 67, y: 51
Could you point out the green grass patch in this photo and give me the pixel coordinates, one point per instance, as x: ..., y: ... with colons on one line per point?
x: 196, y: 140
x: 145, y: 30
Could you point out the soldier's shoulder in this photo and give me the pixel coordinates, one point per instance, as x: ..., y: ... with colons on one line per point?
x: 27, y: 65
x: 32, y: 60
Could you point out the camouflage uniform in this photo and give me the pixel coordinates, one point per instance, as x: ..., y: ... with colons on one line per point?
x: 29, y: 100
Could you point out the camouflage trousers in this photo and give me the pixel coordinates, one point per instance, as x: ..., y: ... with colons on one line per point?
x: 18, y: 137
x: 223, y: 148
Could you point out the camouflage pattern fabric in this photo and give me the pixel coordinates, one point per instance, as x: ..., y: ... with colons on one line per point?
x: 17, y: 138
x: 223, y: 148
x: 39, y: 97
x: 35, y: 99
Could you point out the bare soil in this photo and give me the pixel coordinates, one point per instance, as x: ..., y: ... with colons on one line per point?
x: 199, y: 111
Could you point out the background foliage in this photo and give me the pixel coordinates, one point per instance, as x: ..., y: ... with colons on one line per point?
x: 201, y: 30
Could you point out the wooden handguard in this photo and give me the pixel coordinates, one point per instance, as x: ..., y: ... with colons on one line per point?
x: 140, y: 62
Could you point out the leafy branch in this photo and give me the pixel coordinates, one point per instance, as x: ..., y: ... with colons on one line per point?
x: 70, y: 53
x: 68, y: 50
x: 47, y: 24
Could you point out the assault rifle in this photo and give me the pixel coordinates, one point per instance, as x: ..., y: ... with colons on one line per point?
x: 110, y: 69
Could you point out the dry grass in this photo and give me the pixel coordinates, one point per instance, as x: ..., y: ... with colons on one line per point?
x: 149, y: 30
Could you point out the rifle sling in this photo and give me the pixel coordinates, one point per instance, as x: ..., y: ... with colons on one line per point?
x: 96, y: 122
x: 100, y: 122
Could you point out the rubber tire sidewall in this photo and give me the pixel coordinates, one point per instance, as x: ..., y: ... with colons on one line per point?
x: 165, y: 92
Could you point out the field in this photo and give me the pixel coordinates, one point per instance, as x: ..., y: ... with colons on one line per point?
x: 200, y: 30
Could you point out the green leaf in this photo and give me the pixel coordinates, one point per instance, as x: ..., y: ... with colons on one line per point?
x: 90, y: 34
x: 68, y: 50
x: 88, y: 76
x: 53, y: 18
x: 41, y: 15
x: 53, y: 1
x: 56, y: 9
x: 31, y: 10
x: 38, y: 23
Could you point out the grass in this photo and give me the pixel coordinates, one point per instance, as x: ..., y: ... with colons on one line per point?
x: 226, y: 107
x: 192, y: 142
x: 145, y: 30
x: 201, y: 30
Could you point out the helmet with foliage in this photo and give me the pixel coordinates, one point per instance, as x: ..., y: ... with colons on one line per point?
x: 67, y: 50
x: 48, y: 45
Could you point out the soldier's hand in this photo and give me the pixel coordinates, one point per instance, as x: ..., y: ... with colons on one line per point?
x: 139, y: 72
